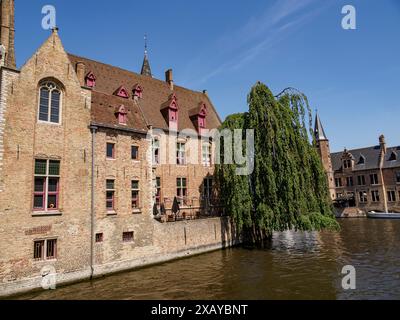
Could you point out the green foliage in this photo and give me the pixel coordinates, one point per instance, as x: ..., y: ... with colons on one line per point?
x: 288, y: 188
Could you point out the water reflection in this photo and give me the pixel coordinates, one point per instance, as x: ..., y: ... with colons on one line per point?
x: 297, y: 266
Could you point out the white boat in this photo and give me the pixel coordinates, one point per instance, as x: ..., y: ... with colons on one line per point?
x: 383, y: 215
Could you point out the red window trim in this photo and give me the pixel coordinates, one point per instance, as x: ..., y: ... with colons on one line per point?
x: 46, y: 193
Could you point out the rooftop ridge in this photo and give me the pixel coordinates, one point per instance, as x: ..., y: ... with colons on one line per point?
x: 363, y: 148
x: 132, y: 72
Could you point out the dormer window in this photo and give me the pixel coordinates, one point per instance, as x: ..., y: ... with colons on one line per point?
x: 137, y: 92
x: 170, y: 111
x: 90, y: 80
x: 122, y: 92
x: 361, y: 160
x: 173, y: 109
x: 198, y: 116
x: 122, y: 115
x: 393, y: 156
x: 347, y: 164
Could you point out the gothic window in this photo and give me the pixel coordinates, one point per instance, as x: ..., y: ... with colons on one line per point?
x: 49, y: 102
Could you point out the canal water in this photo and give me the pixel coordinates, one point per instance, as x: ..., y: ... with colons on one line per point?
x: 296, y: 266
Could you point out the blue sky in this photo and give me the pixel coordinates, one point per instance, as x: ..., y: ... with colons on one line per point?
x: 350, y: 76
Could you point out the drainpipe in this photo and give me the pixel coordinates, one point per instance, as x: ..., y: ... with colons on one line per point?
x: 92, y: 209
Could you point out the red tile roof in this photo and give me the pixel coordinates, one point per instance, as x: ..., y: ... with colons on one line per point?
x: 147, y: 111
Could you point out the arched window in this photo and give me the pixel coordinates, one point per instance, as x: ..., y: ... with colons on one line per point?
x: 50, y: 102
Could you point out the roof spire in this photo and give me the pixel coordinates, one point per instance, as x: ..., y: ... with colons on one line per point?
x: 319, y: 129
x: 146, y: 70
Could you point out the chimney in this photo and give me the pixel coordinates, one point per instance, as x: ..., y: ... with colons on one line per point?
x: 169, y: 79
x: 80, y: 72
x: 382, y: 143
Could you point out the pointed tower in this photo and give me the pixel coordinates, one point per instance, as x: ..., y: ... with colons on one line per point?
x: 146, y: 70
x: 322, y: 144
x: 7, y: 33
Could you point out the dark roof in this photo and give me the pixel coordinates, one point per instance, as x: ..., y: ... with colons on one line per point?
x: 319, y: 130
x: 104, y: 108
x: 156, y: 94
x: 371, y: 156
x: 146, y: 70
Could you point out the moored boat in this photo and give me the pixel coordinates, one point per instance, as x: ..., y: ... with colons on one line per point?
x: 383, y: 215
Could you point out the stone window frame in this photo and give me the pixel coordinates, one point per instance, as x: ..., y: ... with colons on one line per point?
x: 347, y: 164
x: 397, y: 177
x: 99, y: 237
x: 181, y: 153
x: 361, y: 181
x: 135, y: 189
x: 374, y: 181
x: 206, y: 157
x: 350, y: 181
x: 111, y: 199
x: 52, y: 85
x: 137, y: 152
x: 128, y: 236
x: 375, y: 196
x: 340, y: 184
x: 182, y: 190
x: 114, y: 145
x: 363, y: 196
x: 158, y: 189
x: 44, y: 249
x: 46, y: 176
x: 391, y: 195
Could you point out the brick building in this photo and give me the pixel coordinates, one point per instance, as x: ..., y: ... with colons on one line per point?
x: 86, y: 150
x: 361, y: 180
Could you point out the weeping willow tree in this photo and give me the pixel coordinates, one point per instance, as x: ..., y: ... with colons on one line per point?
x: 288, y: 188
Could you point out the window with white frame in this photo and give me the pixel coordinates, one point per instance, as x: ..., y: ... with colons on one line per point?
x: 45, y: 249
x: 206, y: 154
x: 391, y: 196
x: 180, y: 153
x: 181, y: 190
x: 373, y: 178
x: 375, y: 196
x: 49, y: 102
x: 363, y: 196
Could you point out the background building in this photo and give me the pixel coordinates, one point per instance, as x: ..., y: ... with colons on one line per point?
x: 361, y: 180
